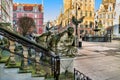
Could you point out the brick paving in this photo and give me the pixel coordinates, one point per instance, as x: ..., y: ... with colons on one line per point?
x: 100, y: 60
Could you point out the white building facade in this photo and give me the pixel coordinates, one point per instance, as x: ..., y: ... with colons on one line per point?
x: 116, y: 29
x: 6, y: 11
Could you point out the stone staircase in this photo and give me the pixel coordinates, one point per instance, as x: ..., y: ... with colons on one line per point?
x: 12, y: 74
x: 21, y: 65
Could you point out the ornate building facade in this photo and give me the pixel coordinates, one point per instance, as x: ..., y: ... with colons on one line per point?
x: 30, y: 10
x: 6, y: 11
x: 116, y: 28
x: 105, y: 14
x: 78, y: 9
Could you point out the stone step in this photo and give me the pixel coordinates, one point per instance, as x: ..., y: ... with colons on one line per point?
x: 11, y: 70
x: 12, y: 74
x: 2, y: 65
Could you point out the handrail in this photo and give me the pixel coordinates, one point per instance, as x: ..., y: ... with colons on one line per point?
x: 38, y: 48
x: 23, y: 56
x: 24, y: 41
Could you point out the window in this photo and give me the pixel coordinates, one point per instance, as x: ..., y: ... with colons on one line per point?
x: 85, y: 13
x: 91, y: 24
x: 35, y: 21
x: 20, y: 8
x: 25, y: 14
x: 108, y: 16
x: 86, y: 26
x: 104, y: 22
x: 103, y: 15
x: 14, y: 15
x: 108, y: 24
x: 81, y: 26
x: 35, y: 9
x: 97, y: 17
x: 90, y: 14
x: 81, y: 31
x: 14, y: 22
x: 110, y: 9
x: 89, y: 5
x: 35, y: 15
x: 112, y: 16
x: 86, y: 31
x: 81, y: 13
x: 100, y: 15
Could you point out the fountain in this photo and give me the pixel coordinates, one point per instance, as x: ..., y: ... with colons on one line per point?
x: 96, y: 30
x: 96, y: 37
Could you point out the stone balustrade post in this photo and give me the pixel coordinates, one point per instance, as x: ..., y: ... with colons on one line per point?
x: 25, y: 60
x: 37, y: 65
x: 12, y: 56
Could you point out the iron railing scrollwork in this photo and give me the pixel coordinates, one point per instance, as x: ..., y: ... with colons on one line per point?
x: 80, y: 76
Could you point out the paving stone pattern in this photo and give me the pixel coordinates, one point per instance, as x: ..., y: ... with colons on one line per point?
x: 101, y: 60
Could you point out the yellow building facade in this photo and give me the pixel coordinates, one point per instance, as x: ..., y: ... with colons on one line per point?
x: 82, y: 8
x: 106, y: 13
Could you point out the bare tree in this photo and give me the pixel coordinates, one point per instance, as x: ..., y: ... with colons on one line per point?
x: 26, y: 25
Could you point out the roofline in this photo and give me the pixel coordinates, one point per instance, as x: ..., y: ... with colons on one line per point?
x: 25, y: 4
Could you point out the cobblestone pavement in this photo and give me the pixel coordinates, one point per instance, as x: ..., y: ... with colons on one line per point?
x: 99, y: 60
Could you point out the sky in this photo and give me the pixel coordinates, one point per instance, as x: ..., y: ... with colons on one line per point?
x: 52, y: 8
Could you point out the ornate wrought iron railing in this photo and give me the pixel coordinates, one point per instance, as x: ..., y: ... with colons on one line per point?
x: 80, y: 76
x: 52, y: 60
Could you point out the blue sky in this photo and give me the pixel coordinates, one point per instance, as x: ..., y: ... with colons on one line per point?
x: 52, y: 7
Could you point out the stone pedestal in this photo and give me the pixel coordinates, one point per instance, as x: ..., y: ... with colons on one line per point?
x: 66, y: 64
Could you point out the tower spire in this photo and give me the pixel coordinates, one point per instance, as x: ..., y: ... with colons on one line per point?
x: 43, y: 5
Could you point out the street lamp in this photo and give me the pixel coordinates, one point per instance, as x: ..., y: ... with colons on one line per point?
x: 77, y: 7
x: 68, y: 18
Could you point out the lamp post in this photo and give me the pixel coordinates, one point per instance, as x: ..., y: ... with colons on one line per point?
x: 76, y: 26
x: 68, y: 18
